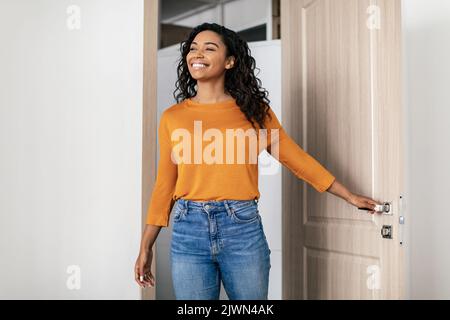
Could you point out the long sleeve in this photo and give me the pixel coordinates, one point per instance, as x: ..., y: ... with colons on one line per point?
x: 299, y: 162
x: 161, y: 201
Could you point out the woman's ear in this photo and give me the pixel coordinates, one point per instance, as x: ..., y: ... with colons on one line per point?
x: 230, y: 63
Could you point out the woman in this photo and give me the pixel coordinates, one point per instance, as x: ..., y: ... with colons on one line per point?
x: 217, y: 232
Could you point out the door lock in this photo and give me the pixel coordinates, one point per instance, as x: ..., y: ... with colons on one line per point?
x: 386, y: 232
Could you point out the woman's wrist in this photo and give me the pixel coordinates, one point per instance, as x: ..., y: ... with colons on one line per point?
x: 341, y: 191
x: 144, y: 250
x: 350, y: 198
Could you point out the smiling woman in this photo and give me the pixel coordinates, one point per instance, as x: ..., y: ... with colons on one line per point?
x: 215, y: 239
x: 207, y: 58
x: 216, y: 65
x: 199, y: 64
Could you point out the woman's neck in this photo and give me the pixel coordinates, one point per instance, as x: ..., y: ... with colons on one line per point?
x: 211, y: 98
x: 211, y: 92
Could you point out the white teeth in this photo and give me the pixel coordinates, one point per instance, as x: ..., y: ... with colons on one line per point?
x: 198, y: 65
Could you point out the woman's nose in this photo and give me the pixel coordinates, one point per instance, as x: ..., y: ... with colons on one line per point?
x: 199, y: 52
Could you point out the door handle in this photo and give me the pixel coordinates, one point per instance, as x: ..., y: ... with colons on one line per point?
x: 386, y: 208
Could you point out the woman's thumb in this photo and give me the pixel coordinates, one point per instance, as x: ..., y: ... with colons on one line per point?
x: 141, y: 271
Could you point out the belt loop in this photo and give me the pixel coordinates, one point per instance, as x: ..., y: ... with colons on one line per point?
x: 181, y: 202
x: 256, y: 200
x: 227, y: 207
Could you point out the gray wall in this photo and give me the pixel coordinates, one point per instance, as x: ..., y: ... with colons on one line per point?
x: 426, y: 32
x: 70, y: 164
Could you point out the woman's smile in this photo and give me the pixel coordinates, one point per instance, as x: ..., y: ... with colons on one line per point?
x: 199, y: 66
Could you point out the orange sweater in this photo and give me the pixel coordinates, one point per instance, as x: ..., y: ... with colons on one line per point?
x: 186, y: 167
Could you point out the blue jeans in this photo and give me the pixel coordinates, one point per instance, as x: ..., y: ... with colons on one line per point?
x: 214, y: 241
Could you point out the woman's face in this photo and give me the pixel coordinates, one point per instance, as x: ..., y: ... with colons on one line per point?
x: 207, y: 56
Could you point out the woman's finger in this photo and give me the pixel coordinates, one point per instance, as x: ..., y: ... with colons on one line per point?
x: 141, y: 276
x: 136, y: 273
x: 372, y: 205
x: 147, y: 279
x: 152, y: 281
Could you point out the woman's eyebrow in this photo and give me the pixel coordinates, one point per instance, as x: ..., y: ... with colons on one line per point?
x: 193, y: 42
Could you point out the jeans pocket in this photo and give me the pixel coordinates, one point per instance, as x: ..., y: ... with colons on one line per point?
x: 179, y: 212
x: 245, y: 213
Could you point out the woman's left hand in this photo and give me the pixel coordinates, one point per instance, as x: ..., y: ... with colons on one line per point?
x: 363, y: 202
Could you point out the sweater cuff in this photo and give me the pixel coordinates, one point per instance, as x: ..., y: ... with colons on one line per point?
x: 327, y: 182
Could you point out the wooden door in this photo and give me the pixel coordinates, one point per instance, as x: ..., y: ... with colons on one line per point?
x: 149, y: 125
x: 342, y: 104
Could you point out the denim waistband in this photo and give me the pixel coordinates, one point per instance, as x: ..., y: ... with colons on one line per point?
x: 187, y: 203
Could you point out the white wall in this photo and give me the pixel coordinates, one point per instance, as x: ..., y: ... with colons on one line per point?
x: 70, y: 164
x: 268, y: 58
x: 426, y: 32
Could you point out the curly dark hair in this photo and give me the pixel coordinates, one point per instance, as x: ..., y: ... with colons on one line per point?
x: 240, y: 81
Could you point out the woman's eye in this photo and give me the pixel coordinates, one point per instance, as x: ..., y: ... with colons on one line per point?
x: 210, y: 49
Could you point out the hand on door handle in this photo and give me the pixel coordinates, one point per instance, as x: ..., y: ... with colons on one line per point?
x: 358, y: 201
x: 384, y: 208
x: 365, y: 203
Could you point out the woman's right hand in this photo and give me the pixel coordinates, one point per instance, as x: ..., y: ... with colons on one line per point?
x: 142, y: 270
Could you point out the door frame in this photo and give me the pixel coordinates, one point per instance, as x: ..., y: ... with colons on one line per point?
x: 149, y: 119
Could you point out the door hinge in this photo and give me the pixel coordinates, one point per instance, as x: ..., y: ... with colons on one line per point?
x: 401, y: 219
